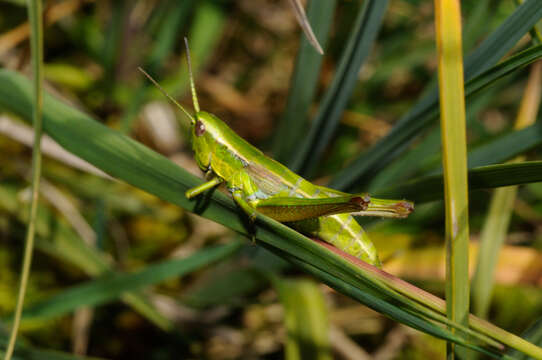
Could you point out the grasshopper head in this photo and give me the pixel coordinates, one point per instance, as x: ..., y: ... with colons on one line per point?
x: 207, y: 129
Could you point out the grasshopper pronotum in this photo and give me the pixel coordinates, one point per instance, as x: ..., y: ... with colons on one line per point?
x: 261, y: 184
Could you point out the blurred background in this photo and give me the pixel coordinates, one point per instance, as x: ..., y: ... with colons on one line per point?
x: 244, y: 55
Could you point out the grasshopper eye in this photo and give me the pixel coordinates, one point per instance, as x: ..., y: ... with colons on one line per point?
x: 200, y: 128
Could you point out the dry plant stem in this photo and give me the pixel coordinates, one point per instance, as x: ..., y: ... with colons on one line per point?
x: 454, y: 147
x: 305, y: 25
x: 35, y: 18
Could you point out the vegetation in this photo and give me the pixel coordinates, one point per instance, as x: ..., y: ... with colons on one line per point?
x: 122, y: 268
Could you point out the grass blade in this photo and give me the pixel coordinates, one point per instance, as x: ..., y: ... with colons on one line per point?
x: 112, y: 285
x: 454, y: 148
x: 304, y: 80
x: 424, y: 113
x: 35, y: 14
x: 429, y: 188
x: 336, y: 98
x: 500, y: 210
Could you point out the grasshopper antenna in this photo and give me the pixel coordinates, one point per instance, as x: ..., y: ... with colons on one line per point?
x: 167, y: 95
x: 192, y: 86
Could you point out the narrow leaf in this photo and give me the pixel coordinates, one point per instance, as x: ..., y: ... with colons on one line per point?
x: 112, y: 285
x: 429, y: 188
x: 336, y: 98
x: 422, y: 114
x: 293, y: 122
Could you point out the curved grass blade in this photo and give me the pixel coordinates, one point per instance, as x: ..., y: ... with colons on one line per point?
x: 305, y: 25
x: 113, y: 285
x: 35, y: 13
x: 424, y: 113
x: 429, y: 188
x: 336, y: 98
x: 454, y: 158
x: 304, y: 80
x: 132, y: 162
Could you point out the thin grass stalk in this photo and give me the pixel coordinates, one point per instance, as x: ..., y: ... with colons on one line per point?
x: 36, y: 45
x: 454, y: 147
x: 501, y: 205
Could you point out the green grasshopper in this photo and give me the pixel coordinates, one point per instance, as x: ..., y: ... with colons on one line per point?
x: 258, y: 183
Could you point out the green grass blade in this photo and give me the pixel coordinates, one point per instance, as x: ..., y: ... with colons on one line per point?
x: 409, y: 163
x: 429, y: 188
x: 112, y: 285
x: 35, y: 14
x: 132, y: 162
x: 336, y: 98
x: 454, y: 149
x: 304, y: 81
x: 507, y: 146
x: 423, y: 113
x: 306, y: 320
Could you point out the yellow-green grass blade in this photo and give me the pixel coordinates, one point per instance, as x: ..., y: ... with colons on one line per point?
x: 132, y: 162
x: 306, y: 320
x: 500, y: 210
x: 36, y: 46
x: 423, y: 114
x: 56, y: 239
x: 303, y: 83
x: 113, y: 285
x: 454, y: 148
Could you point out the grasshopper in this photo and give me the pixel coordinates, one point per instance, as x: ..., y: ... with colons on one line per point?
x: 258, y: 183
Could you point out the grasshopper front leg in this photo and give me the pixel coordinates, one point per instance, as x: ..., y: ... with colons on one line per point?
x: 195, y: 191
